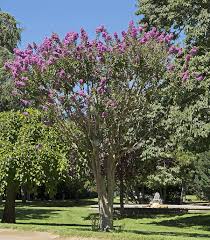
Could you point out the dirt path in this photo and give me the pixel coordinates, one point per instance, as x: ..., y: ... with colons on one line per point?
x: 8, y: 234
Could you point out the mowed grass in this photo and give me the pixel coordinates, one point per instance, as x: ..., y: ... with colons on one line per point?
x: 73, y: 219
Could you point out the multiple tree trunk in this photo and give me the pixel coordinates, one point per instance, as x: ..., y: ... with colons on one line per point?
x: 104, y: 175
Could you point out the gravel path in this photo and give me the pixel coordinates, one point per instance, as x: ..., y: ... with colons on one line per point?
x: 9, y: 234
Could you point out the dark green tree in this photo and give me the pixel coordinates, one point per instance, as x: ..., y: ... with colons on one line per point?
x: 9, y: 38
x: 191, y: 17
x: 32, y: 153
x: 10, y: 31
x: 201, y: 183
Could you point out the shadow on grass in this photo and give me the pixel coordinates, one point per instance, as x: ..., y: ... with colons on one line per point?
x: 200, y: 221
x: 150, y: 216
x: 56, y: 224
x: 174, y: 234
x: 64, y: 203
x: 155, y: 233
x: 27, y: 214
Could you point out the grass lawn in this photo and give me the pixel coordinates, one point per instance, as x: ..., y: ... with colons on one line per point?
x: 73, y: 219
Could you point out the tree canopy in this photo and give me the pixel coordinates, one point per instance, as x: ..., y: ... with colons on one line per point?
x: 10, y: 31
x: 189, y: 17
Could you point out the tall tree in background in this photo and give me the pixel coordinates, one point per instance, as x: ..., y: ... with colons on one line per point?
x: 10, y: 32
x: 191, y: 17
x: 9, y: 39
x: 188, y: 118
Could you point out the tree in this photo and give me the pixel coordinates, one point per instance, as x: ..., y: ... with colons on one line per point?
x: 9, y: 39
x: 191, y: 17
x: 202, y: 176
x: 31, y: 153
x: 10, y: 32
x: 7, y: 100
x: 188, y: 108
x: 105, y: 86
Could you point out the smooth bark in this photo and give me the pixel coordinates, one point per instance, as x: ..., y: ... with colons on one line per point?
x: 105, y: 181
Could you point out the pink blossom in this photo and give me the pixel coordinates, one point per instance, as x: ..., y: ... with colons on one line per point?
x: 25, y: 102
x: 143, y: 40
x: 24, y: 79
x: 116, y: 36
x: 180, y: 51
x: 104, y: 114
x: 20, y: 84
x: 81, y: 93
x: 200, y: 77
x: 103, y: 81
x: 25, y: 113
x: 170, y: 67
x: 187, y: 58
x: 100, y: 29
x: 185, y: 75
x: 15, y: 93
x: 62, y: 73
x: 84, y: 36
x: 81, y: 81
x: 193, y: 51
x: 45, y: 108
x: 140, y: 28
x: 124, y: 34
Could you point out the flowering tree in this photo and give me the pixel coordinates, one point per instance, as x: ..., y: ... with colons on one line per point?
x: 105, y: 86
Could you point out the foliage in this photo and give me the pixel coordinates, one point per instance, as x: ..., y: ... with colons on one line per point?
x: 7, y: 100
x: 191, y: 17
x: 187, y: 118
x: 9, y: 39
x: 10, y: 32
x: 32, y: 153
x: 202, y: 176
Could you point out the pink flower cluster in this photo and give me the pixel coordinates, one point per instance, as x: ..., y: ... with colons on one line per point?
x: 53, y: 48
x: 186, y: 73
x: 78, y: 47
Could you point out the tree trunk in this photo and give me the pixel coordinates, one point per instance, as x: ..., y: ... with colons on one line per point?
x: 164, y: 194
x: 121, y: 195
x: 183, y: 193
x: 105, y: 181
x: 121, y: 198
x: 143, y: 194
x: 9, y: 208
x: 105, y: 199
x: 24, y: 194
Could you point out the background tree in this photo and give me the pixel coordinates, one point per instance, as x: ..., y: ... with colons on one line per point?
x: 189, y: 17
x: 10, y: 31
x: 31, y: 153
x: 9, y: 39
x: 188, y: 108
x: 201, y: 178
